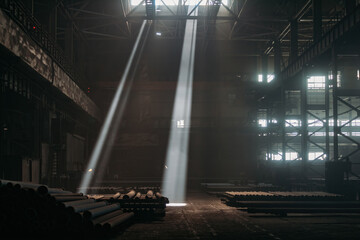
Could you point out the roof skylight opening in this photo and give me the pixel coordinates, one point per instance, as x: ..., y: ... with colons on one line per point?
x: 175, y: 2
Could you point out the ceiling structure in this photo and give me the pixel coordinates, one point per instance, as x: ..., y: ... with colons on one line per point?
x: 257, y: 21
x: 232, y: 34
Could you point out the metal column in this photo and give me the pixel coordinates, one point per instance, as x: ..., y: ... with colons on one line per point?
x: 277, y: 59
x: 294, y: 51
x: 317, y: 23
x: 304, y: 129
x: 335, y: 102
x: 327, y: 116
x: 264, y: 66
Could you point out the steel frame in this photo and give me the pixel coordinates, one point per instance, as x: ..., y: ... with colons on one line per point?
x: 332, y: 97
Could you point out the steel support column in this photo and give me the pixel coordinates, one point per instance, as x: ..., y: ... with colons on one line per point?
x: 264, y: 66
x: 317, y: 23
x: 335, y: 102
x: 304, y: 129
x: 150, y: 9
x: 277, y: 59
x: 327, y: 116
x: 281, y: 121
x: 294, y: 50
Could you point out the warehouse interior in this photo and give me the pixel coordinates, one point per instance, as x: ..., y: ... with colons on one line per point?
x: 190, y: 119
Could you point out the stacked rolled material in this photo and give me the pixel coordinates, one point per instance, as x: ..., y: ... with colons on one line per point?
x: 138, y: 195
x: 149, y: 194
x: 282, y: 196
x: 36, y: 211
x: 148, y: 203
x: 283, y: 202
x: 130, y: 194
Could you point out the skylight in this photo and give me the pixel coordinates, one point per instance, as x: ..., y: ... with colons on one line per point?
x: 270, y: 77
x: 175, y: 2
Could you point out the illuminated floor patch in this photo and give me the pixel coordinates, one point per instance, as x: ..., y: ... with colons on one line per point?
x: 176, y: 204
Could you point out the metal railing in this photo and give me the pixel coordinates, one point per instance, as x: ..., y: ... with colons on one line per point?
x: 31, y: 26
x: 343, y: 25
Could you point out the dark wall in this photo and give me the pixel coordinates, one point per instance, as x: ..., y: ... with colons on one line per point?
x: 222, y: 142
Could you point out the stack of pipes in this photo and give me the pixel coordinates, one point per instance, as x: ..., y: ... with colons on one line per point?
x: 279, y: 196
x: 146, y: 202
x: 33, y: 210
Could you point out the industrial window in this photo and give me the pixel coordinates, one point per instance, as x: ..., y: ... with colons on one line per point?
x: 316, y: 155
x: 274, y: 156
x: 355, y: 134
x: 339, y: 122
x: 316, y: 82
x: 315, y: 122
x: 292, y: 123
x: 288, y: 156
x: 338, y: 78
x: 355, y: 122
x: 291, y: 156
x: 180, y: 124
x: 343, y: 122
x: 318, y: 134
x: 175, y: 2
x: 270, y: 77
x: 292, y: 134
x: 262, y: 122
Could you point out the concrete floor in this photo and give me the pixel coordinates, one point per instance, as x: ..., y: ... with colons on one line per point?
x: 205, y: 217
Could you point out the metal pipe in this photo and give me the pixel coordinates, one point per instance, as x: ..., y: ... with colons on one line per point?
x: 79, y: 202
x: 138, y: 195
x: 69, y: 198
x: 65, y: 194
x: 158, y: 195
x: 130, y: 194
x: 116, y: 221
x: 84, y: 207
x: 303, y: 210
x: 24, y: 184
x: 96, y: 212
x: 149, y: 194
x: 106, y: 217
x: 299, y: 204
x: 58, y: 191
x: 116, y: 195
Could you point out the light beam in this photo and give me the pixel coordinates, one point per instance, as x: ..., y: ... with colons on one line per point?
x: 109, y: 120
x: 174, y: 181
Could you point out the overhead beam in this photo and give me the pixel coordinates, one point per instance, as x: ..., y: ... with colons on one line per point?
x: 238, y: 17
x: 286, y: 30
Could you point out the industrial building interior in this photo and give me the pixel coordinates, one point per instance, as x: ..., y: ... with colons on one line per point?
x: 180, y: 119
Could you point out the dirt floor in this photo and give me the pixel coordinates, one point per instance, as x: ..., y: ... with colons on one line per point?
x: 205, y: 217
